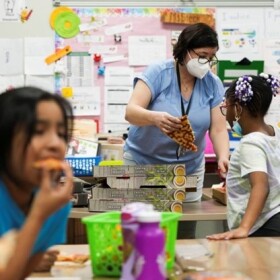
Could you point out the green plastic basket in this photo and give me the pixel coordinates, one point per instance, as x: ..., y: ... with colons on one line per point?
x: 105, y: 241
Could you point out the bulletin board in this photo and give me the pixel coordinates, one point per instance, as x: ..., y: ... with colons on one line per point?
x: 144, y: 22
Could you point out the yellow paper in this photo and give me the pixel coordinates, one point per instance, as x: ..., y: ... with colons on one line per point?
x: 67, y: 92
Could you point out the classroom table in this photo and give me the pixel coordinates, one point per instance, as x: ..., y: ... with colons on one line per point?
x: 203, y: 211
x: 255, y: 258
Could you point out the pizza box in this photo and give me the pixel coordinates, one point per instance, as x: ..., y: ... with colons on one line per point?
x: 143, y: 193
x: 219, y: 193
x: 146, y: 170
x: 135, y: 182
x: 104, y: 205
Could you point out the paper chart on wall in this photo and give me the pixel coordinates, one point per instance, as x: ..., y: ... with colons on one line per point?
x: 273, y: 116
x: 36, y: 49
x: 10, y: 10
x: 144, y: 50
x: 116, y: 99
x: 272, y: 23
x: 11, y: 57
x: 79, y: 71
x: 238, y: 30
x: 272, y: 57
x: 117, y: 94
x: 114, y: 113
x: 119, y: 76
x: 86, y: 101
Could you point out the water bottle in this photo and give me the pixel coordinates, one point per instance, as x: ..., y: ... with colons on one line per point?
x: 150, y: 248
x: 129, y: 229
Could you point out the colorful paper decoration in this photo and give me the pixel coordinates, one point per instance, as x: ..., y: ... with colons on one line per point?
x: 58, y: 55
x: 66, y: 24
x: 56, y: 12
x: 101, y: 70
x: 186, y: 18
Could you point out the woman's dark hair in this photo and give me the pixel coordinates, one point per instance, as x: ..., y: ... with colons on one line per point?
x: 199, y: 35
x: 18, y: 112
x: 261, y: 99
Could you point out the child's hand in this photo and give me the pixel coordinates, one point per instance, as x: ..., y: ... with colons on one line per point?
x: 47, y: 261
x: 52, y: 195
x: 236, y: 233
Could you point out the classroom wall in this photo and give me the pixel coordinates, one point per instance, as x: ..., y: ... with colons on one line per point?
x: 266, y: 26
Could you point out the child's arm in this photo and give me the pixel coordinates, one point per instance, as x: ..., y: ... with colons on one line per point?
x: 258, y: 195
x: 48, y: 200
x: 19, y: 259
x: 259, y: 192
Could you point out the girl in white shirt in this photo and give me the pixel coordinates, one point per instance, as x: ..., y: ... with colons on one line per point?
x: 253, y: 178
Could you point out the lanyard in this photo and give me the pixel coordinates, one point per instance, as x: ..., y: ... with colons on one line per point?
x: 179, y: 84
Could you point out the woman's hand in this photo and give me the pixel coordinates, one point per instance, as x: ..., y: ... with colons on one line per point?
x: 233, y: 234
x: 223, y: 164
x: 47, y: 261
x: 167, y: 123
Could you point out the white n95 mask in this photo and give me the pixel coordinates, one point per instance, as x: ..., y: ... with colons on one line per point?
x: 198, y: 69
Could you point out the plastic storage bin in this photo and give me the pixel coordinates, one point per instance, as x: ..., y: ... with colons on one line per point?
x: 82, y: 166
x: 105, y: 241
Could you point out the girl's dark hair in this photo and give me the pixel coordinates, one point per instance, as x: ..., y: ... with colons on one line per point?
x: 261, y: 99
x: 18, y: 112
x: 199, y: 35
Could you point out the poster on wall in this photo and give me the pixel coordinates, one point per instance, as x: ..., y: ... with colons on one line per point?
x: 10, y: 10
x: 272, y: 23
x: 272, y: 57
x: 152, y: 48
x: 239, y: 32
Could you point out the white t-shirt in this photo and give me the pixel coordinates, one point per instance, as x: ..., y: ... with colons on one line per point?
x: 256, y: 152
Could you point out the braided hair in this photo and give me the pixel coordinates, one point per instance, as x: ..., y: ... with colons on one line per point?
x: 254, y: 92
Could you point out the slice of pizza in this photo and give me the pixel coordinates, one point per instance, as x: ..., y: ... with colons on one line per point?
x: 184, y: 136
x: 50, y: 163
x: 76, y: 258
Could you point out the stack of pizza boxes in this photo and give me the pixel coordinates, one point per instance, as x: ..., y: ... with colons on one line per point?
x: 164, y: 186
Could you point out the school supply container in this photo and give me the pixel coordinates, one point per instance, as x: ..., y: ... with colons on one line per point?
x: 83, y: 166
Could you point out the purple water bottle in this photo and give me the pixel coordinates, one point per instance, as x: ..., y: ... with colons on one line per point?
x: 129, y: 229
x: 150, y: 248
